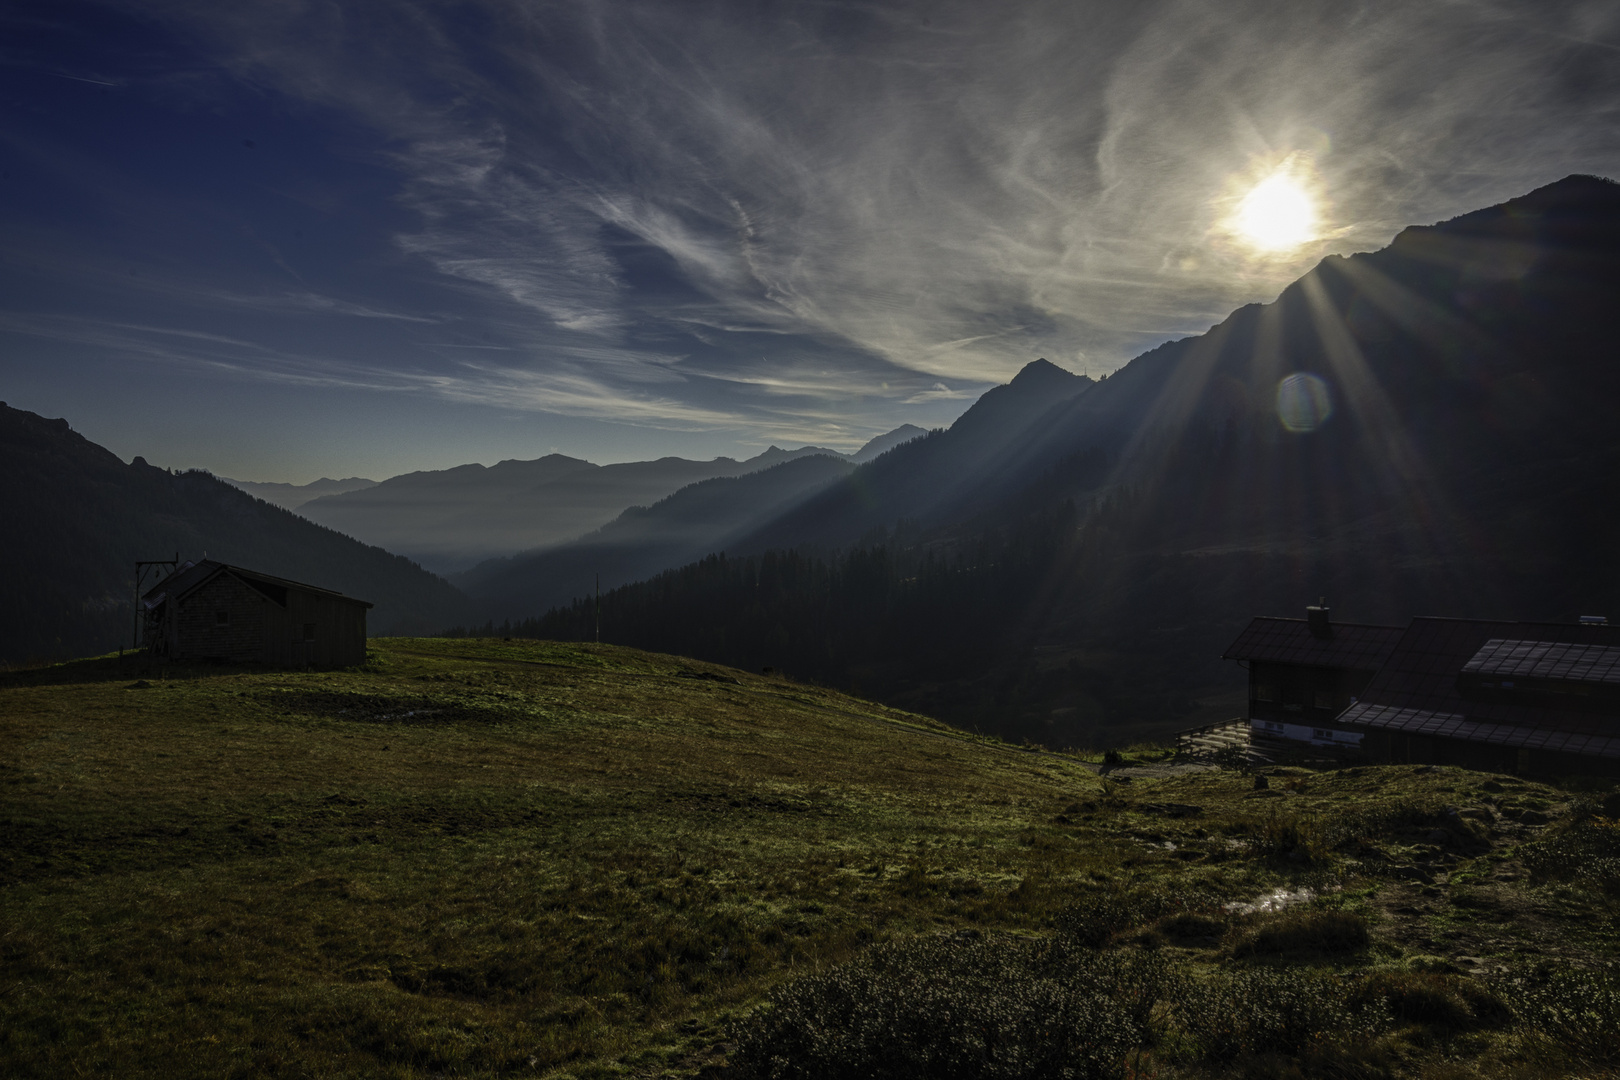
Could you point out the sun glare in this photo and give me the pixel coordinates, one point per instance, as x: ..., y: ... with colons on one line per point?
x: 1277, y: 214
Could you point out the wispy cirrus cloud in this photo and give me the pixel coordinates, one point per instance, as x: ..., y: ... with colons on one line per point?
x: 952, y: 189
x: 783, y: 217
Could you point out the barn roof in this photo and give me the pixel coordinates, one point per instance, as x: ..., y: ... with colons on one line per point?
x: 193, y: 576
x: 1355, y: 646
x: 1445, y: 678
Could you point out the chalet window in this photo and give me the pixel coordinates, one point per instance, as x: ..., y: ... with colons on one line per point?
x: 309, y: 631
x: 1324, y: 699
x: 1321, y: 733
x: 222, y: 618
x: 1265, y: 691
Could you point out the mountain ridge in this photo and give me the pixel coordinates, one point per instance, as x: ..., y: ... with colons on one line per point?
x: 451, y: 519
x: 81, y: 517
x: 927, y: 477
x: 292, y: 496
x: 699, y: 518
x: 1422, y: 430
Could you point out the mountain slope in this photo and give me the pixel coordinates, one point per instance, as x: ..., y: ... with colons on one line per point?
x: 640, y: 542
x: 882, y: 444
x: 1427, y: 429
x: 930, y: 477
x: 292, y: 496
x: 78, y: 518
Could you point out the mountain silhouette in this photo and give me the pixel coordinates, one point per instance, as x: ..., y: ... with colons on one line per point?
x: 884, y: 443
x: 1426, y: 429
x: 77, y: 519
x: 933, y: 478
x: 292, y: 496
x: 451, y: 519
x: 696, y: 520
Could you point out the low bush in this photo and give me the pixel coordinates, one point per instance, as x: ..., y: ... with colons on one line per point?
x: 1307, y: 930
x: 1587, y: 848
x: 1229, y: 1015
x: 1100, y: 918
x: 1191, y: 926
x: 1447, y: 1003
x: 1574, y: 1012
x: 954, y: 1007
x: 1304, y: 838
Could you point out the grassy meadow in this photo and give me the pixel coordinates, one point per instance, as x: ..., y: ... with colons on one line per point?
x: 484, y: 858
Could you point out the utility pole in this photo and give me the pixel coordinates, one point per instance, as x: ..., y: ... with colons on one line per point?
x: 142, y: 568
x: 599, y: 608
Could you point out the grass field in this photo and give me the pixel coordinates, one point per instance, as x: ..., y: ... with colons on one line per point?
x: 487, y: 858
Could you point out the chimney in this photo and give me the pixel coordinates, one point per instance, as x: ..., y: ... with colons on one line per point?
x: 1317, y: 617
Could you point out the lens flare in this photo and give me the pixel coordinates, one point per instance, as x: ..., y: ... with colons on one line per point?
x: 1277, y: 214
x: 1304, y: 402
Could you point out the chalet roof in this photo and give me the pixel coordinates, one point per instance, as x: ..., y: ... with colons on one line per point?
x: 1354, y: 646
x: 1456, y: 726
x: 1417, y: 689
x: 1565, y: 661
x: 193, y: 576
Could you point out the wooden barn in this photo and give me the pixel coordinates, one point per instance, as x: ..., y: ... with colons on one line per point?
x: 1304, y: 672
x: 211, y: 611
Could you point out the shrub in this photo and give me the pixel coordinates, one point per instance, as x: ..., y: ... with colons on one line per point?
x: 1190, y: 925
x: 1588, y: 848
x: 1575, y: 1011
x: 1097, y: 919
x: 1270, y: 1011
x: 1305, y: 930
x: 1303, y: 837
x: 1445, y: 1002
x: 952, y: 1007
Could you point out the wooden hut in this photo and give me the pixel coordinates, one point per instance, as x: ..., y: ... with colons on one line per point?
x: 212, y: 611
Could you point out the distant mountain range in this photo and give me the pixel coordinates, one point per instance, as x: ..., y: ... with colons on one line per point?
x: 450, y: 519
x: 77, y: 519
x: 822, y: 499
x: 699, y: 518
x: 292, y: 496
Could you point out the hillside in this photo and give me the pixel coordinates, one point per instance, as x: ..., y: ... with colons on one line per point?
x: 78, y: 518
x: 293, y: 496
x: 486, y: 858
x: 642, y: 541
x: 930, y: 479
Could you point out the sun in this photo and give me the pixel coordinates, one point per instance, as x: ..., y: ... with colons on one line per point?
x: 1278, y: 214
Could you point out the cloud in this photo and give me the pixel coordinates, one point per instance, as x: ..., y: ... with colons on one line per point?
x: 593, y: 382
x: 627, y: 194
x: 307, y: 302
x: 938, y: 392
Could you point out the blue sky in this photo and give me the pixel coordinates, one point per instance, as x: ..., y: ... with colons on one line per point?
x: 292, y: 239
